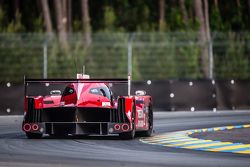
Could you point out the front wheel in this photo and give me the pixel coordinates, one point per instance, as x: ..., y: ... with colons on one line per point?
x: 34, y: 135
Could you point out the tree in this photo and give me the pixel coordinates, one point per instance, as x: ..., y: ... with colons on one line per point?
x: 208, y: 35
x: 16, y: 6
x: 183, y: 11
x: 206, y: 19
x: 61, y: 22
x: 162, y: 23
x: 216, y: 4
x: 86, y: 22
x: 46, y: 15
x: 238, y: 3
x: 69, y: 15
x: 66, y: 10
x: 248, y: 5
x: 201, y: 15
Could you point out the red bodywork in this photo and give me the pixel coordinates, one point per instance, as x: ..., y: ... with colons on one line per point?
x: 86, y: 108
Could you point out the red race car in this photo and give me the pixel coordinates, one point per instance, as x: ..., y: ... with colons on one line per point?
x: 85, y: 107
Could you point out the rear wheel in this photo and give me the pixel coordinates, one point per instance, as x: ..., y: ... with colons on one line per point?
x: 130, y: 135
x: 34, y: 135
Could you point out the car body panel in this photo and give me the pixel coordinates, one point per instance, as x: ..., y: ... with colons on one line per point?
x: 87, y: 109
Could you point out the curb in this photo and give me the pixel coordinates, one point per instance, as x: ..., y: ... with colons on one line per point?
x: 181, y: 139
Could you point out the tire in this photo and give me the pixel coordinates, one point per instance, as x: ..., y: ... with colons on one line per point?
x: 129, y: 135
x: 34, y: 135
x: 149, y: 132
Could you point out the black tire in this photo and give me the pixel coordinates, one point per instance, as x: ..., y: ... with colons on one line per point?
x: 34, y: 135
x: 129, y: 135
x: 149, y: 132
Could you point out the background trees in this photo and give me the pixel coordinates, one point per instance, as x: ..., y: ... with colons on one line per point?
x: 91, y: 16
x: 46, y: 16
x: 86, y: 22
x: 169, y: 32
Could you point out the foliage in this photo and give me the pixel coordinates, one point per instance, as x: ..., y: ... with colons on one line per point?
x: 156, y: 56
x: 172, y: 53
x: 126, y: 15
x: 232, y: 56
x: 15, y: 25
x: 109, y: 18
x: 38, y: 24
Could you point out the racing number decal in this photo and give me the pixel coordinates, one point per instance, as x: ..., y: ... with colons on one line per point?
x: 141, y: 119
x: 140, y: 123
x: 140, y: 114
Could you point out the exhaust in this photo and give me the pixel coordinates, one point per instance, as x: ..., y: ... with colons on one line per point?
x: 117, y: 127
x: 125, y: 127
x: 26, y: 127
x: 35, y: 127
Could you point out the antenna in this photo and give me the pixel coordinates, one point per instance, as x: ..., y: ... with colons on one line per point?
x: 83, y: 69
x: 82, y: 75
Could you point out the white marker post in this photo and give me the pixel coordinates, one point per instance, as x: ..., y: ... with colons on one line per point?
x: 45, y: 60
x: 131, y: 37
x: 129, y: 85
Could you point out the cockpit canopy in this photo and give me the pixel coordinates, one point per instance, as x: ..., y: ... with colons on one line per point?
x: 77, y: 92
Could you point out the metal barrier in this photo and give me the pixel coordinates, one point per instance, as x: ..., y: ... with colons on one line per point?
x: 169, y: 95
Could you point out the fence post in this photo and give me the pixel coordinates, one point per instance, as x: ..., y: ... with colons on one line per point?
x: 45, y: 60
x: 211, y: 59
x: 130, y: 40
x: 211, y: 56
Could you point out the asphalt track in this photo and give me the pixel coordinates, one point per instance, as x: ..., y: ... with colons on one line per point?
x: 16, y: 150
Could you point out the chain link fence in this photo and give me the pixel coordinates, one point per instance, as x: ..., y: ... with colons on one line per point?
x: 156, y: 56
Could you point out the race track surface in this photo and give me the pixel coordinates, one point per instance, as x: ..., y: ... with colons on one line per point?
x: 16, y: 150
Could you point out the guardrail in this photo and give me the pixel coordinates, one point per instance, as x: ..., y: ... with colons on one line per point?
x: 168, y: 95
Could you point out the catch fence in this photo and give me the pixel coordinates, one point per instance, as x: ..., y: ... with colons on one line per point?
x: 155, y: 56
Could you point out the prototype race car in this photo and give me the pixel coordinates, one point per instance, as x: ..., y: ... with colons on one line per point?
x: 86, y: 107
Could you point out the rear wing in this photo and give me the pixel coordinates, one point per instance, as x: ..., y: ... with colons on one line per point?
x: 92, y: 80
x: 73, y: 80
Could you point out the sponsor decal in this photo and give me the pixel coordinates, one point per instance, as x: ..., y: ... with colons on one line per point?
x: 140, y: 114
x: 129, y: 114
x: 140, y: 123
x: 62, y: 103
x: 106, y: 104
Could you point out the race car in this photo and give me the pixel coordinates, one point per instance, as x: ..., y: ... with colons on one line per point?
x: 86, y: 107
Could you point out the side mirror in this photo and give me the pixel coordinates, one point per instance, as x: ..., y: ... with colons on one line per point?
x: 140, y: 93
x: 55, y: 92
